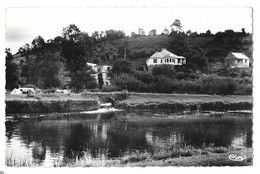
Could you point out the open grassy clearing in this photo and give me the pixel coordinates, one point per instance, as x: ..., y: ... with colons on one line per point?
x: 47, y: 97
x: 185, y: 98
x: 141, y: 98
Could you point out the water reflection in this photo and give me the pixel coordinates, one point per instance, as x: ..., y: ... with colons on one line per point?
x: 47, y: 140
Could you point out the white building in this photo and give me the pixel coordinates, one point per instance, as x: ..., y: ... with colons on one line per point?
x: 237, y: 60
x: 164, y: 57
x: 104, y: 70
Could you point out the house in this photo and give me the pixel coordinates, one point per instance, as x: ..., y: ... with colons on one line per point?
x: 164, y: 57
x: 104, y: 70
x: 237, y: 60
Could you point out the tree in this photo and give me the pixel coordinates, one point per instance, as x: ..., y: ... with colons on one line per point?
x: 83, y: 78
x: 77, y: 51
x: 133, y: 34
x: 100, y: 81
x: 96, y: 36
x: 208, y: 33
x: 188, y: 32
x: 141, y: 32
x: 70, y: 32
x: 243, y: 31
x: 122, y: 66
x: 152, y: 32
x: 104, y: 51
x: 194, y: 34
x: 12, y: 71
x: 165, y: 70
x: 176, y: 25
x: 114, y: 34
x: 165, y: 31
x: 49, y: 70
x: 25, y: 49
x: 38, y: 43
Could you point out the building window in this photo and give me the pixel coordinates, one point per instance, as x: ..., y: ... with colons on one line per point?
x: 106, y: 83
x: 108, y: 68
x: 161, y: 60
x: 154, y: 60
x: 245, y: 61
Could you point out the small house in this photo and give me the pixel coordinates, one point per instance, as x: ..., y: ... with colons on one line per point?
x: 104, y: 70
x: 237, y: 60
x: 164, y: 57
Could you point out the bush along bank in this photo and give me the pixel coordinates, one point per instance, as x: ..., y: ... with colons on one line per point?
x: 50, y: 106
x: 180, y: 107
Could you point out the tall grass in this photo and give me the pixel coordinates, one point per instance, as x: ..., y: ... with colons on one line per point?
x: 86, y: 159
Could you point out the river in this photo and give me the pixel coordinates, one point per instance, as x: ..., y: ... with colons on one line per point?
x: 45, y: 139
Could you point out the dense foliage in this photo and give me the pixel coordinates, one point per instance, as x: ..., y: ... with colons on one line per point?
x: 62, y: 62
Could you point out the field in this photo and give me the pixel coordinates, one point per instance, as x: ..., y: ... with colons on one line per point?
x: 136, y: 98
x: 46, y: 97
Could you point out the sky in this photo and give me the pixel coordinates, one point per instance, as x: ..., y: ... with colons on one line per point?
x: 22, y: 25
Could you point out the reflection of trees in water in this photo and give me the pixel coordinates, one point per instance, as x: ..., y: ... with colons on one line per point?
x: 76, y: 142
x: 70, y: 137
x: 116, y: 135
x: 124, y: 136
x: 199, y: 132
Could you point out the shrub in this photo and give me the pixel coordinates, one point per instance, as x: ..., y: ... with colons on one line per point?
x: 145, y: 77
x: 129, y: 82
x: 111, y: 88
x: 182, y: 75
x: 165, y: 70
x: 164, y: 84
x: 213, y: 84
x: 246, y: 73
x: 189, y: 86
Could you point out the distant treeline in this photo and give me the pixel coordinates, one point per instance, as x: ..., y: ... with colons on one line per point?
x: 49, y: 64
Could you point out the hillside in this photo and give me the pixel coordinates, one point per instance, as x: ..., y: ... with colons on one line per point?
x: 50, y: 64
x: 140, y: 48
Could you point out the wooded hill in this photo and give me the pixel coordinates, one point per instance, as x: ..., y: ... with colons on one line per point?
x: 47, y: 64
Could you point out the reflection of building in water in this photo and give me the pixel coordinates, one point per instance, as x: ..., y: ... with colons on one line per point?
x: 104, y: 131
x: 173, y: 139
x: 38, y: 151
x: 239, y: 141
x: 99, y: 129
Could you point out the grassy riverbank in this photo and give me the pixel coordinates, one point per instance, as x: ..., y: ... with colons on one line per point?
x: 185, y: 98
x: 47, y: 97
x: 49, y: 103
x: 187, y: 102
x: 150, y: 101
x: 187, y: 156
x: 136, y: 98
